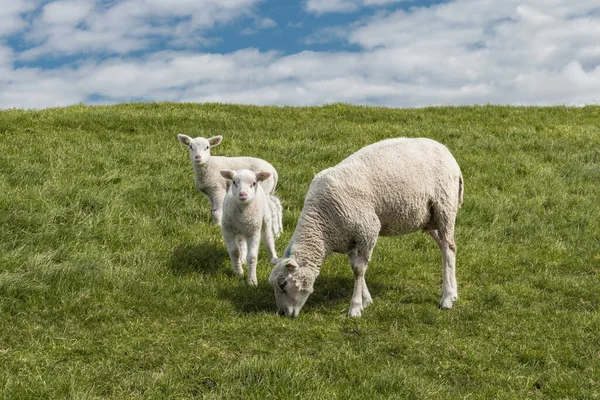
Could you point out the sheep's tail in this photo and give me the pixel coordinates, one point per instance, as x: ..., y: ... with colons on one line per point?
x: 461, y: 190
x: 275, y: 179
x: 276, y: 215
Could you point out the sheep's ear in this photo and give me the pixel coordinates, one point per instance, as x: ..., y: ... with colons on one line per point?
x: 184, y: 139
x: 227, y: 173
x: 291, y: 264
x: 263, y: 176
x: 215, y: 140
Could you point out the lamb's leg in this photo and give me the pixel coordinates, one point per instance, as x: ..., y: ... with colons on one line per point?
x: 216, y: 206
x: 269, y: 240
x: 361, y: 297
x: 243, y: 249
x: 234, y: 252
x: 448, y: 249
x: 252, y: 258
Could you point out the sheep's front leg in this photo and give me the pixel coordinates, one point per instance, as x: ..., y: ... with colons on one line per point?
x: 449, y: 287
x: 252, y: 258
x: 241, y: 241
x: 361, y: 297
x: 269, y: 240
x: 234, y: 252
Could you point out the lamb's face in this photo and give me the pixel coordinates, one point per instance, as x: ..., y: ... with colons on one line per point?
x: 292, y: 287
x: 244, y: 184
x: 200, y: 147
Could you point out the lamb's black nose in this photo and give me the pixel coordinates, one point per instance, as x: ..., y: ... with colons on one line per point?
x: 281, y: 313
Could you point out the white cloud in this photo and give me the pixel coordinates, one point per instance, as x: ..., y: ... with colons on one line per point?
x: 260, y: 24
x: 11, y: 15
x: 267, y: 23
x: 343, y: 6
x: 75, y: 26
x: 462, y: 52
x: 327, y: 35
x: 66, y: 12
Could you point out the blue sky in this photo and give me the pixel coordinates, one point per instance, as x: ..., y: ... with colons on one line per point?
x: 394, y: 53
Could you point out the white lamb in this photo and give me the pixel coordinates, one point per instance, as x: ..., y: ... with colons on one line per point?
x: 248, y: 210
x: 392, y: 187
x: 206, y: 170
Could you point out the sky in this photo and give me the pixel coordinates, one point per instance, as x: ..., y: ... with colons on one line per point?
x: 392, y: 53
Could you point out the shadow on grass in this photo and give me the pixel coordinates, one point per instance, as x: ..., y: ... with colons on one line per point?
x: 329, y: 291
x: 206, y: 258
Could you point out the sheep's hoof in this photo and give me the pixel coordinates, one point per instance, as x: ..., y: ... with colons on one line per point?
x: 253, y: 282
x: 447, y: 303
x: 367, y: 301
x: 355, y: 312
x: 238, y: 272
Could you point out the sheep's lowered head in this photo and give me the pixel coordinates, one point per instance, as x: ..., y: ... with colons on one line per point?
x: 292, y: 286
x: 244, y: 183
x: 200, y: 147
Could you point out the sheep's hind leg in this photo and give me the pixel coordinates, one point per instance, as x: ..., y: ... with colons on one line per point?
x: 269, y: 241
x: 361, y: 297
x: 216, y: 207
x: 448, y: 249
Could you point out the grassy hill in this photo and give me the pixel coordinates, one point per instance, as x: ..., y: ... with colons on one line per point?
x: 114, y: 284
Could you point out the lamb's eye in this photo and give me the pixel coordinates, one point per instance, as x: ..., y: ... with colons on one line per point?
x: 253, y: 184
x: 207, y: 147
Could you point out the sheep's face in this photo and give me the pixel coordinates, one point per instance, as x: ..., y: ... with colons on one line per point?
x: 292, y: 286
x: 200, y: 147
x: 244, y: 184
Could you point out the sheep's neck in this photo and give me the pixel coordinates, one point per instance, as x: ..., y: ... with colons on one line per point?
x: 206, y: 175
x: 201, y: 171
x: 308, y: 245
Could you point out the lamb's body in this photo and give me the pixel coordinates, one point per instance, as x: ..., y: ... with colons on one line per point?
x: 392, y: 187
x: 246, y: 219
x: 208, y: 178
x: 210, y: 182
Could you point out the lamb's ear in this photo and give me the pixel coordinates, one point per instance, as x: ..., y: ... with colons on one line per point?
x: 263, y: 176
x: 227, y: 174
x: 215, y: 140
x: 184, y: 139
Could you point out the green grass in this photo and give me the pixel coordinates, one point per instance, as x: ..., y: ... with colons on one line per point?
x: 114, y: 284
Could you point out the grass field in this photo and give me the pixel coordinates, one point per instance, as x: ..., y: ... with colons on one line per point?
x: 114, y: 284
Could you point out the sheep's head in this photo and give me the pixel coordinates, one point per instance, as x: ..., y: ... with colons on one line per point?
x: 292, y: 285
x: 244, y: 183
x: 200, y: 147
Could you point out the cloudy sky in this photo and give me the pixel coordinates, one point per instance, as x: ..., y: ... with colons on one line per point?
x: 396, y: 53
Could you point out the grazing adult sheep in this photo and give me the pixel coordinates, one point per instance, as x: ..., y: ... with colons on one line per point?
x: 248, y: 211
x: 206, y: 170
x: 392, y: 187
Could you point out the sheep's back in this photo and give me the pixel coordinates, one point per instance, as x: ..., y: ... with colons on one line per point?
x: 399, y: 180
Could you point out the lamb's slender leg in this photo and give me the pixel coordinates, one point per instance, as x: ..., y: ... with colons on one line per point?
x: 234, y: 252
x: 216, y: 207
x: 361, y: 297
x: 269, y: 240
x: 252, y: 258
x: 241, y: 241
x: 448, y: 249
